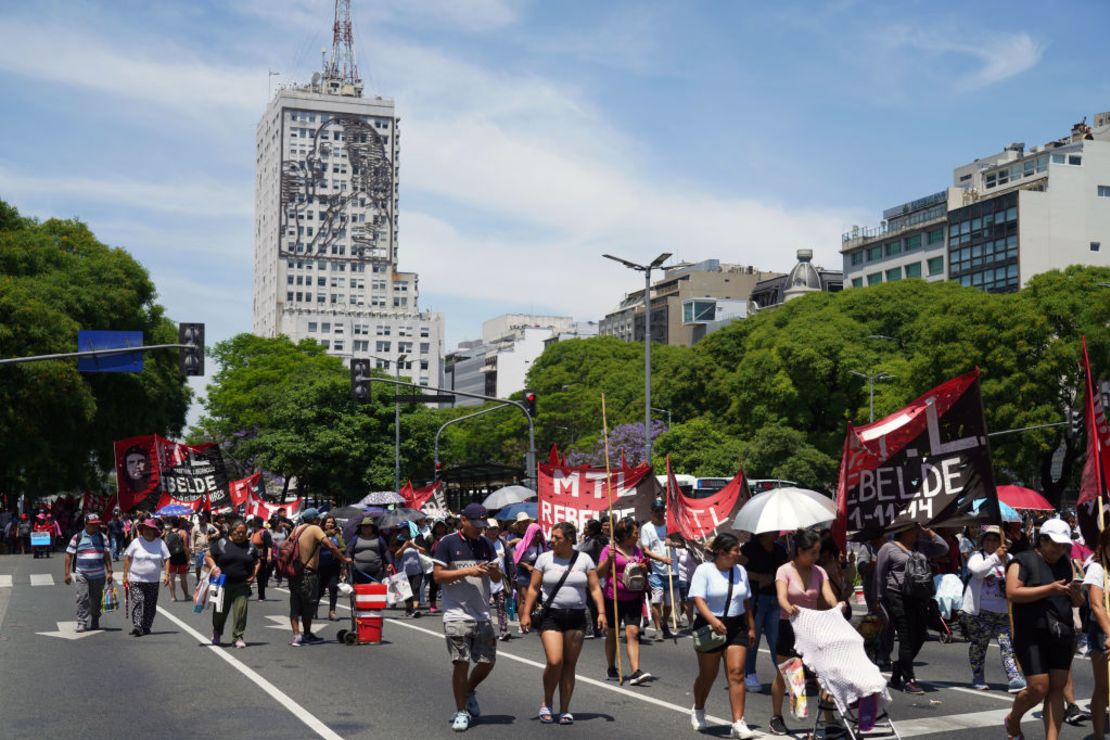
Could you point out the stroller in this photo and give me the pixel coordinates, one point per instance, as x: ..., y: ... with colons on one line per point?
x: 851, y: 686
x: 947, y: 601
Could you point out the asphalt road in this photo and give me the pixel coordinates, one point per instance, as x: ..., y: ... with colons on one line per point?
x: 172, y: 682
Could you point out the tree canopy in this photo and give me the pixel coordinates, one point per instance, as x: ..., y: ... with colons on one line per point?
x: 56, y: 424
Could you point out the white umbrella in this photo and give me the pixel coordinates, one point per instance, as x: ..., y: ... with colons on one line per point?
x: 784, y: 509
x: 382, y: 498
x: 503, y: 497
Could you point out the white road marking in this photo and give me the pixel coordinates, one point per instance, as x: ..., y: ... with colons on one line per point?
x: 68, y: 631
x: 5, y: 581
x: 955, y: 722
x: 282, y: 623
x: 310, y: 720
x: 42, y: 579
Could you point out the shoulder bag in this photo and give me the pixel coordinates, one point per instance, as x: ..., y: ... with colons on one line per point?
x: 540, y: 614
x: 707, y: 639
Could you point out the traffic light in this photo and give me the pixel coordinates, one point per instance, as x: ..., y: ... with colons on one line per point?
x: 360, y: 380
x: 192, y: 356
x: 530, y: 402
x: 1075, y: 423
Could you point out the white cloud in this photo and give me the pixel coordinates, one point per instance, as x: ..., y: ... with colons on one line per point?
x: 999, y: 56
x: 210, y: 199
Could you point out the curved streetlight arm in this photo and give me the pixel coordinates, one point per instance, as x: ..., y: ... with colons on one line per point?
x: 456, y: 421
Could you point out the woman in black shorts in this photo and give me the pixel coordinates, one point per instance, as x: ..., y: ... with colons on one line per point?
x: 1041, y: 589
x: 722, y: 601
x: 562, y: 582
x: 1095, y: 584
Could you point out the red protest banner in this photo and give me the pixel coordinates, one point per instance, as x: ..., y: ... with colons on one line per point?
x: 577, y: 494
x: 1096, y: 466
x: 241, y: 490
x: 415, y: 498
x: 697, y: 518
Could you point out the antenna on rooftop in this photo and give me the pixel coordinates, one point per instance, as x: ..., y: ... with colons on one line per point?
x: 342, y: 65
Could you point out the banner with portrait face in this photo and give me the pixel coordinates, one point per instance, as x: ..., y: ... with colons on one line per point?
x: 153, y: 472
x: 577, y: 494
x: 926, y: 463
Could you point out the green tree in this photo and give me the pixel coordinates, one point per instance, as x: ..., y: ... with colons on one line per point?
x: 57, y: 425
x: 698, y: 447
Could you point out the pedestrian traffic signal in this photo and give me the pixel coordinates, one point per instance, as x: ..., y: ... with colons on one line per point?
x: 530, y: 402
x: 360, y: 380
x: 191, y: 356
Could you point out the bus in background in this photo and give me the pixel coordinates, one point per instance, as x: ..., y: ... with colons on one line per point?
x: 761, y: 485
x: 685, y: 482
x: 696, y: 487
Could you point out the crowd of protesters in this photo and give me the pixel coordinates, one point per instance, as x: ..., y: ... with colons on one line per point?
x: 1033, y: 588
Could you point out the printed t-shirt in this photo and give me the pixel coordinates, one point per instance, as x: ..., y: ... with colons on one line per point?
x: 711, y: 583
x: 574, y: 592
x: 88, y: 551
x: 467, y: 598
x: 806, y: 598
x: 617, y: 575
x: 146, y: 559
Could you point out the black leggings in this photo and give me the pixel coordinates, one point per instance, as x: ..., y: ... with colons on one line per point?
x: 329, y: 581
x: 910, y: 620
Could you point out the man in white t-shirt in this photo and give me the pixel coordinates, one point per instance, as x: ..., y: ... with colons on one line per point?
x: 656, y: 545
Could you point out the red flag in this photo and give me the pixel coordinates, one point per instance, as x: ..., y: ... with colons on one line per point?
x: 697, y: 518
x: 1092, y: 485
x: 553, y: 457
x: 415, y: 498
x: 241, y: 490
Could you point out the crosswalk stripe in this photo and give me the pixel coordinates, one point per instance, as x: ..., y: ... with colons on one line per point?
x: 5, y: 581
x: 42, y: 579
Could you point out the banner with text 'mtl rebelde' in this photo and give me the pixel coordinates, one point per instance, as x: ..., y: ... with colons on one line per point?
x: 153, y: 472
x: 925, y: 463
x: 576, y: 494
x: 698, y: 518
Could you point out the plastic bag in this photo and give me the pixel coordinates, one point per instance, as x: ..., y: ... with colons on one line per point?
x: 398, y: 588
x: 200, y: 593
x: 216, y: 592
x: 794, y: 673
x: 426, y: 564
x: 109, y: 602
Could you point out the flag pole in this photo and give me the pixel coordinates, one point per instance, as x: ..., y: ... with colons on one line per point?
x: 1096, y: 443
x: 612, y: 546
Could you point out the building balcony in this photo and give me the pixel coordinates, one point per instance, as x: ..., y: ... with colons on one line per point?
x: 863, y: 235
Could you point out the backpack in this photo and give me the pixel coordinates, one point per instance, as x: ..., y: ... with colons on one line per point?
x: 634, y: 576
x: 917, y: 582
x: 289, y: 563
x: 175, y: 544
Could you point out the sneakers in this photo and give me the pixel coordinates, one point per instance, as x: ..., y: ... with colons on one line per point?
x: 740, y: 729
x: 79, y: 628
x: 752, y: 682
x: 1075, y: 716
x: 216, y: 639
x: 312, y: 640
x: 136, y: 632
x: 472, y: 707
x: 95, y: 625
x: 979, y: 683
x: 697, y: 719
x: 638, y: 677
x: 1017, y: 685
x: 911, y: 687
x: 433, y: 610
x: 461, y: 721
x: 240, y: 643
x: 667, y: 634
x: 297, y: 640
x: 612, y: 674
x: 777, y: 726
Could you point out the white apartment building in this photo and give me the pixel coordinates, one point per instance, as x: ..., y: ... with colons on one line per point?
x: 326, y: 230
x: 1006, y: 218
x: 498, y: 364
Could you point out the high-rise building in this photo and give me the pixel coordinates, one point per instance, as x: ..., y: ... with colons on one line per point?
x: 1006, y: 217
x: 327, y: 223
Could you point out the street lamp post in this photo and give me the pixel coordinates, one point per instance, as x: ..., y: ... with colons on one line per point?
x: 667, y: 412
x: 397, y: 426
x: 449, y: 422
x: 871, y: 392
x: 646, y: 269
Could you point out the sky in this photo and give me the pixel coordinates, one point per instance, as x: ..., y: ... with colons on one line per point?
x: 535, y: 136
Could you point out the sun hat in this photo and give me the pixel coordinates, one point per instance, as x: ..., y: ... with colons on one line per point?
x: 148, y: 522
x: 1057, y: 530
x: 522, y: 516
x: 366, y: 521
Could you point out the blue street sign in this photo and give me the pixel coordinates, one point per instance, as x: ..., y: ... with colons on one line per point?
x: 127, y: 362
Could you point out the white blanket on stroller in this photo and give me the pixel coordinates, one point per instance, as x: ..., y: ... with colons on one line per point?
x: 831, y: 648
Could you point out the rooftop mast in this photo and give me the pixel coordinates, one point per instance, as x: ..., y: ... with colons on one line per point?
x: 341, y: 71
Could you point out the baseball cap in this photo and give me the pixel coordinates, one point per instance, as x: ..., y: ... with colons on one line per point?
x: 1057, y: 530
x: 476, y: 513
x: 991, y: 529
x: 92, y: 518
x: 522, y: 516
x: 310, y: 515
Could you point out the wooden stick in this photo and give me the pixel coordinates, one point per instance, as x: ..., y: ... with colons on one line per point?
x: 615, y: 627
x: 674, y: 606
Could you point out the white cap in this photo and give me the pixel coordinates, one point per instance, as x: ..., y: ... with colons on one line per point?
x: 522, y: 516
x: 1058, y: 530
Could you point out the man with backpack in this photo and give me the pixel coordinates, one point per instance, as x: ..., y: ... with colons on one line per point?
x: 89, y: 563
x: 904, y: 581
x: 177, y: 542
x: 299, y: 561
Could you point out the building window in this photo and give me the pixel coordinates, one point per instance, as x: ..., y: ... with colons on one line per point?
x: 894, y: 274
x: 338, y: 345
x: 312, y: 326
x: 893, y: 248
x: 326, y: 343
x: 913, y: 270
x: 935, y: 236
x: 936, y: 265
x: 875, y: 253
x: 857, y: 282
x: 857, y: 258
x: 425, y: 348
x: 1104, y: 191
x: 1096, y: 246
x: 382, y: 347
x: 1075, y: 159
x: 874, y: 278
x: 913, y: 242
